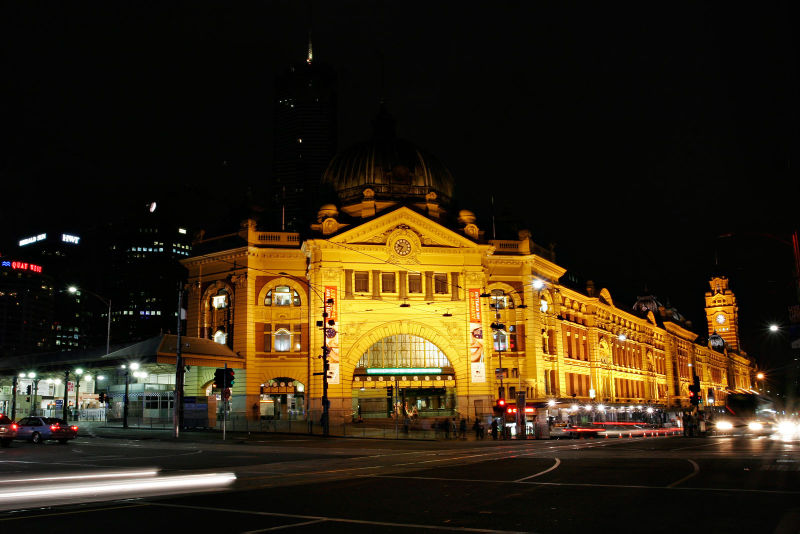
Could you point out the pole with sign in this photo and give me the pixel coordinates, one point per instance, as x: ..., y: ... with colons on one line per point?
x: 225, y: 395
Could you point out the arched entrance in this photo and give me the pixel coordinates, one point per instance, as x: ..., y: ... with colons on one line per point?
x: 403, y: 375
x: 282, y: 398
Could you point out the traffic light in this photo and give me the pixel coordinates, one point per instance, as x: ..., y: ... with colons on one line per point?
x: 219, y: 379
x: 694, y: 389
x: 28, y: 390
x: 499, y: 407
x: 229, y: 378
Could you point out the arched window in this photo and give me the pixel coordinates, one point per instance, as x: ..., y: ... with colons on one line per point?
x: 403, y: 350
x: 500, y: 301
x: 221, y: 300
x: 220, y: 337
x: 283, y: 340
x: 282, y: 296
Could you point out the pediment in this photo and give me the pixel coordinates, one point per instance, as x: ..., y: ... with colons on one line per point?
x: 404, y: 221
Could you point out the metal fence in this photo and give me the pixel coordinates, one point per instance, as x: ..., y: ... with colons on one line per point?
x: 419, y: 429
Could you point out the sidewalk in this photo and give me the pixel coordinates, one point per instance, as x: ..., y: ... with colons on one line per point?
x: 103, y: 429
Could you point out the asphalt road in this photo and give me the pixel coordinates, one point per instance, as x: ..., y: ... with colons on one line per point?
x: 309, y: 484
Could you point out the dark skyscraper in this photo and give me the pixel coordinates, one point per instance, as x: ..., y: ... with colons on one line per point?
x: 304, y: 141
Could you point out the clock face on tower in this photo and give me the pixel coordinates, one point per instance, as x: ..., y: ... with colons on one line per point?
x: 402, y: 247
x: 720, y: 318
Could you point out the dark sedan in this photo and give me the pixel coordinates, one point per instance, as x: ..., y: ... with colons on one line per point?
x: 8, y: 430
x: 39, y: 429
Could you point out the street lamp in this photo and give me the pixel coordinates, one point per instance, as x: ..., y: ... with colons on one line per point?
x: 74, y: 290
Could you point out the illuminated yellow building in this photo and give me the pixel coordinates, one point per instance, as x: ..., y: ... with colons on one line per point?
x: 428, y: 317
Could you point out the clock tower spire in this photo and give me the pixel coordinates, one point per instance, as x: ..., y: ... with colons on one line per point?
x: 722, y: 312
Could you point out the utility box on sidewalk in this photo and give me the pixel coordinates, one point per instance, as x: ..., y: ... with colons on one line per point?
x: 200, y: 412
x: 542, y: 429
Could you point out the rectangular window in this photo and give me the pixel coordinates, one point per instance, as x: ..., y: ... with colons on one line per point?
x: 362, y: 281
x: 512, y: 337
x: 387, y: 283
x: 414, y: 283
x: 440, y: 283
x: 297, y: 337
x: 151, y: 402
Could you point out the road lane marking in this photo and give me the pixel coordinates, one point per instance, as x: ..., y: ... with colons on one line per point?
x: 694, y: 446
x: 554, y: 466
x: 71, y: 512
x: 588, y: 485
x: 281, y: 527
x: 332, y: 519
x: 687, y: 477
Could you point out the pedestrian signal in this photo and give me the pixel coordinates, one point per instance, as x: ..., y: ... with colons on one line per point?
x: 219, y: 379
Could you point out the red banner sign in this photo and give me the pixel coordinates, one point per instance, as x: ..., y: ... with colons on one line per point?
x: 330, y: 294
x: 475, y: 305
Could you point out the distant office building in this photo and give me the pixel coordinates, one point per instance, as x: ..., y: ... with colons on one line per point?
x: 26, y: 307
x: 304, y: 142
x: 143, y: 252
x: 129, y: 265
x: 64, y: 257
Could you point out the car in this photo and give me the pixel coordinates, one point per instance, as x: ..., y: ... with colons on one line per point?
x: 8, y: 430
x: 38, y: 429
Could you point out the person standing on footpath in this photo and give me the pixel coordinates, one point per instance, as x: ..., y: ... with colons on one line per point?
x: 462, y: 428
x: 477, y: 428
x: 494, y: 429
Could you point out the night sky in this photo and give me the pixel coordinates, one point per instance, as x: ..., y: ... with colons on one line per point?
x: 630, y: 135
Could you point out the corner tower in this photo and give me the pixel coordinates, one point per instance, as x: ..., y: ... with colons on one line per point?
x: 722, y: 312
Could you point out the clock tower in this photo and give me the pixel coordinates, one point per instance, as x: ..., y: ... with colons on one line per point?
x: 722, y: 312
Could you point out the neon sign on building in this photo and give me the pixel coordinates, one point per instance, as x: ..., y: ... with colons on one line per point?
x: 22, y: 266
x: 73, y: 239
x: 32, y: 239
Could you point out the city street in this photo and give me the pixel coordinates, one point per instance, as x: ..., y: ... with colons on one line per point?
x: 309, y: 484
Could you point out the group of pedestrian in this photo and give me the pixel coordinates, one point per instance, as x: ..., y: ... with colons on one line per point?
x: 449, y: 427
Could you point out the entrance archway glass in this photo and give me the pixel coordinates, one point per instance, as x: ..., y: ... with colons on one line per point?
x: 403, y: 376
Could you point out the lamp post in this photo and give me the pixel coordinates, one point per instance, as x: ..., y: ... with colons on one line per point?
x: 35, y: 392
x: 127, y: 369
x: 78, y: 374
x: 325, y: 404
x: 14, y: 382
x: 324, y: 354
x: 75, y: 290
